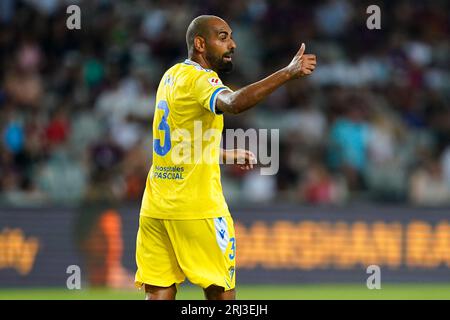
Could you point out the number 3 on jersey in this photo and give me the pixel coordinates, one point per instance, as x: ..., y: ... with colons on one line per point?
x: 164, y: 126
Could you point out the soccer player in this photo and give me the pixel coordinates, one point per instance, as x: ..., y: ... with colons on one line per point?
x: 185, y: 227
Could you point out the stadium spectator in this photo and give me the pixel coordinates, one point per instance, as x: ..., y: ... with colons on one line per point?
x: 319, y: 187
x: 428, y: 185
x: 348, y: 143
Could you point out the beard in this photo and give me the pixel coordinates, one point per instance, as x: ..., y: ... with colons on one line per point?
x: 219, y: 64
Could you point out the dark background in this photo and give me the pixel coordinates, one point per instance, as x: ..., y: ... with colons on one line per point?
x: 372, y: 124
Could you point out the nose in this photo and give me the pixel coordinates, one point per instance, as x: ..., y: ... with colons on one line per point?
x: 233, y: 44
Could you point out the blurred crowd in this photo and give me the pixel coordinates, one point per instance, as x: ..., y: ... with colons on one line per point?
x: 371, y: 124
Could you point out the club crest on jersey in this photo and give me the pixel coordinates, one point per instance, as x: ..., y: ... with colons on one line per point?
x: 215, y: 81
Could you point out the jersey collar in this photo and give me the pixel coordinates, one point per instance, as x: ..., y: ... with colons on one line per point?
x: 193, y: 63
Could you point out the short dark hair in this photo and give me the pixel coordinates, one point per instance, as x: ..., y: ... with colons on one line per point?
x: 197, y: 27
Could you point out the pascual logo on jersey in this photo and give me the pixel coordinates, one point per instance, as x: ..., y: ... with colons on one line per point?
x: 214, y: 81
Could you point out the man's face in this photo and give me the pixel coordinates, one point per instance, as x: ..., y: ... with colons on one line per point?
x: 220, y: 46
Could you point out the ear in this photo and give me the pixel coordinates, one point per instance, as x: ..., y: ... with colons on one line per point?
x: 199, y: 44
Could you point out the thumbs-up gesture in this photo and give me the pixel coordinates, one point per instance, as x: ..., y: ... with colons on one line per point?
x: 302, y: 64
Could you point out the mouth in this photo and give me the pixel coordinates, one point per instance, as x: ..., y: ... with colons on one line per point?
x: 227, y: 58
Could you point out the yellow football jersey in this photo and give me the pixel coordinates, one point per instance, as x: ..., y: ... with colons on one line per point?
x: 184, y: 179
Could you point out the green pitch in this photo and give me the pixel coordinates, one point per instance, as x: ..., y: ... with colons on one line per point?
x: 251, y: 292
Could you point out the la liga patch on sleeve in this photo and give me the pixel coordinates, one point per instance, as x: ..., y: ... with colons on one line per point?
x: 215, y: 81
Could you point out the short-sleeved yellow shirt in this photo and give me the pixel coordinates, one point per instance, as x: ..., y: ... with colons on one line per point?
x: 184, y: 179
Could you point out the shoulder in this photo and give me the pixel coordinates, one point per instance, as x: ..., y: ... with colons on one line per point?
x: 180, y: 74
x: 191, y: 73
x: 199, y: 75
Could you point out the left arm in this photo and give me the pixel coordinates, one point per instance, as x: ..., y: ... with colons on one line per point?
x: 243, y: 158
